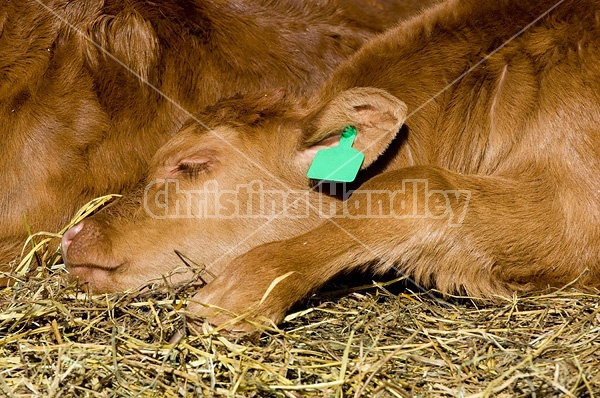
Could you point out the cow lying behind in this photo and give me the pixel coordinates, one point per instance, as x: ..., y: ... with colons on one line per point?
x: 77, y: 124
x: 491, y: 187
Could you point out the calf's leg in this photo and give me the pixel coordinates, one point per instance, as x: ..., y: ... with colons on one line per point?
x: 479, y: 235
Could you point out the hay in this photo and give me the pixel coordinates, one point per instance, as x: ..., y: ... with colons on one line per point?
x: 57, y: 342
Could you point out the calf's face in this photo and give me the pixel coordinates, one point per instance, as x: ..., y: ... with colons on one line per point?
x: 214, y: 194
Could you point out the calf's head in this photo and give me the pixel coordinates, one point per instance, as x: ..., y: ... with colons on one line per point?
x: 212, y: 194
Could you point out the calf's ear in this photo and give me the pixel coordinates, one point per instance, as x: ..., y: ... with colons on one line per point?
x: 128, y: 37
x: 376, y: 115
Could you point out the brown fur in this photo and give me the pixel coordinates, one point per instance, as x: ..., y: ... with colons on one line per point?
x: 76, y: 124
x: 519, y: 135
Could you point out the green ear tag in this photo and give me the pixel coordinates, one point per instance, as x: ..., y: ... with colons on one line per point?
x: 339, y: 164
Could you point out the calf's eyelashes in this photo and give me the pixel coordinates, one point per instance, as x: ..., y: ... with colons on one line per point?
x: 193, y: 167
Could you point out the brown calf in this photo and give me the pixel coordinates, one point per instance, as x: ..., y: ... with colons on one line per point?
x: 492, y: 186
x: 79, y: 121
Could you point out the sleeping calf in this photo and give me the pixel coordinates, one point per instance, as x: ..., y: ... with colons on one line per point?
x: 480, y: 128
x: 89, y: 90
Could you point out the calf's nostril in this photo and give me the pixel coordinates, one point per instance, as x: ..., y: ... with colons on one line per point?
x: 69, y: 236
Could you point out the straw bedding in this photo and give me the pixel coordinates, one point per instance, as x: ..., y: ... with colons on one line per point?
x: 56, y: 341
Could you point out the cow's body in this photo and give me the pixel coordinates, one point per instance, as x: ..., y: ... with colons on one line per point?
x: 79, y: 122
x: 496, y: 172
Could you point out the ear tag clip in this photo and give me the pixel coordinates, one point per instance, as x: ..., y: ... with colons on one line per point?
x: 339, y: 164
